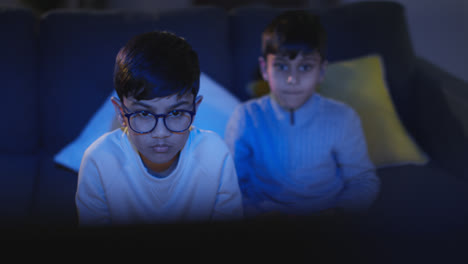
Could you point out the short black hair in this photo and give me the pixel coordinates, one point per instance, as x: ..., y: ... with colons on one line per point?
x: 292, y: 32
x: 156, y: 64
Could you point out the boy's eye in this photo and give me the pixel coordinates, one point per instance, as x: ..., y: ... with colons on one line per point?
x: 144, y: 114
x: 306, y: 67
x: 280, y: 66
x: 175, y: 113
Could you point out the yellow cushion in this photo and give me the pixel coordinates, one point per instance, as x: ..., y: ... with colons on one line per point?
x: 360, y: 84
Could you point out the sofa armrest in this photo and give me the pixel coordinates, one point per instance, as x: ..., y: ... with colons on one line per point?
x: 439, y: 122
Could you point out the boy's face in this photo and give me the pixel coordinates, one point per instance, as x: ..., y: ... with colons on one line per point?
x: 160, y: 147
x: 293, y: 81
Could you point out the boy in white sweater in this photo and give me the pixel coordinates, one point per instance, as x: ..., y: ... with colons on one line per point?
x: 297, y: 152
x: 157, y: 167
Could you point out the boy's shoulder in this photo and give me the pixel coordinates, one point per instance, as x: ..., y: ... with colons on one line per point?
x: 206, y: 139
x: 207, y: 148
x: 335, y: 107
x: 257, y: 102
x: 109, y: 142
x: 264, y: 103
x: 255, y: 105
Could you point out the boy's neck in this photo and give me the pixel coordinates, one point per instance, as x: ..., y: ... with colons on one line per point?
x: 289, y: 108
x: 159, y: 168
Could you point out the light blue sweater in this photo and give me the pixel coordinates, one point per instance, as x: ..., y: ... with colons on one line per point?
x: 300, y: 162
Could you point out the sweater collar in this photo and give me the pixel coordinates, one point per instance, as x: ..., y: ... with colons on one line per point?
x: 298, y: 116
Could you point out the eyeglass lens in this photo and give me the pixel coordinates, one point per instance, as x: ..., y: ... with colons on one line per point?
x: 175, y: 121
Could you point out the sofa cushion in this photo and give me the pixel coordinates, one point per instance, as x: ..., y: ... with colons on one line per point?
x: 18, y: 72
x: 419, y: 216
x: 54, y: 196
x: 354, y: 30
x: 78, y: 50
x: 360, y: 83
x: 420, y: 200
x: 17, y: 181
x: 440, y: 118
x: 375, y: 27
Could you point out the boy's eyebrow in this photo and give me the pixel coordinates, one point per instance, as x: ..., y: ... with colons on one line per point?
x: 313, y: 61
x: 140, y: 103
x: 280, y: 59
x: 179, y: 104
x: 311, y: 57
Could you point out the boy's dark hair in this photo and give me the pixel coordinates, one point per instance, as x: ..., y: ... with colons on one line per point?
x: 156, y: 64
x: 292, y: 32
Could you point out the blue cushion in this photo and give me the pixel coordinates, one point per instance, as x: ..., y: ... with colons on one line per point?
x: 18, y: 72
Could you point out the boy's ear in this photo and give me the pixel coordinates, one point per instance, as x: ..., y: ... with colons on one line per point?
x: 263, y: 67
x: 118, y: 110
x: 198, y: 101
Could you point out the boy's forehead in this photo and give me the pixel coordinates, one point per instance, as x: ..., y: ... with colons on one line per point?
x: 314, y: 55
x: 156, y: 102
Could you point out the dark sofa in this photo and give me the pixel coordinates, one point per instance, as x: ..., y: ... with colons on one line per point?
x: 57, y: 70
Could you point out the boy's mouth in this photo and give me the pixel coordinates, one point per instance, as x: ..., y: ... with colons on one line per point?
x: 160, y: 148
x: 292, y: 92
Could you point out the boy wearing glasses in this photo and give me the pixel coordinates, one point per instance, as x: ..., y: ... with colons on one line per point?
x: 296, y: 152
x: 157, y: 168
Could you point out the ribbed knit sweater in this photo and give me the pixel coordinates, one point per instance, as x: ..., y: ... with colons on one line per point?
x: 300, y: 162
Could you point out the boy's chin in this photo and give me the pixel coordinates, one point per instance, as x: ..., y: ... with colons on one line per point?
x: 158, y: 159
x: 161, y: 158
x: 291, y: 105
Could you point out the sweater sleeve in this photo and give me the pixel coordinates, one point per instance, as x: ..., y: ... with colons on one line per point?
x: 228, y: 205
x: 90, y: 197
x: 361, y: 185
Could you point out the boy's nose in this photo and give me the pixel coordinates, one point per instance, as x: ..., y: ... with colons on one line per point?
x: 292, y: 79
x: 160, y: 131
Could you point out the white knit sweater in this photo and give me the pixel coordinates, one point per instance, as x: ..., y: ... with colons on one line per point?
x: 114, y: 186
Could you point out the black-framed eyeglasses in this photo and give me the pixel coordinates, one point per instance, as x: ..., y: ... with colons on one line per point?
x: 143, y: 122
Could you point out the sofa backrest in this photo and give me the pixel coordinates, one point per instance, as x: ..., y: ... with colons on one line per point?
x: 354, y: 30
x: 78, y: 50
x: 18, y: 72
